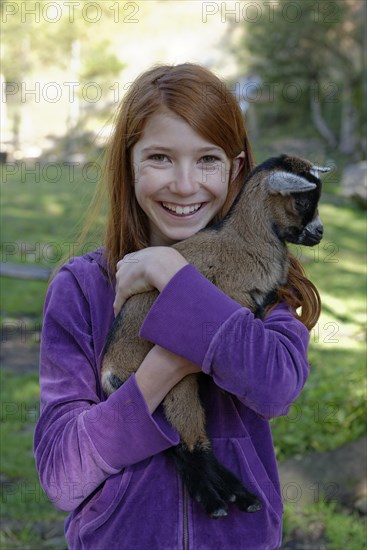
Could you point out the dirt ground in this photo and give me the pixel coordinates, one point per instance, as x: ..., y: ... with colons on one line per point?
x: 20, y: 352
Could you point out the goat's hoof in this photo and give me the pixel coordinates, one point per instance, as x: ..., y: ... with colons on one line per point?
x: 234, y: 490
x: 247, y: 502
x: 219, y: 513
x: 255, y: 507
x: 211, y: 484
x: 213, y: 505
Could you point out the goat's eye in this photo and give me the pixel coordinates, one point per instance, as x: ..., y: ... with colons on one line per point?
x: 303, y: 203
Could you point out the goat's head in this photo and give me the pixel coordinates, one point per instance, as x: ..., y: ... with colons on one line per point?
x: 294, y: 186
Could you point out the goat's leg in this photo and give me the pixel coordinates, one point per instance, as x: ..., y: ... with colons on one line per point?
x: 207, y: 481
x: 124, y: 348
x: 183, y: 409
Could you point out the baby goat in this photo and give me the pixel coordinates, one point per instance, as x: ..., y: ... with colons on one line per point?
x: 245, y: 255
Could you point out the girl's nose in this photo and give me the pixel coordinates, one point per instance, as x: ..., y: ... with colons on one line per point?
x: 184, y: 181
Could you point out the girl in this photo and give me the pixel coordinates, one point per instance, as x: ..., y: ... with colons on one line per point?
x: 176, y: 161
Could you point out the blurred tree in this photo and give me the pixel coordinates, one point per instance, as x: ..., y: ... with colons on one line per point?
x: 311, y: 53
x: 36, y: 39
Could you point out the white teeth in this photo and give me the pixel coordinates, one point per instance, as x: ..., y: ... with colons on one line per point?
x: 182, y: 209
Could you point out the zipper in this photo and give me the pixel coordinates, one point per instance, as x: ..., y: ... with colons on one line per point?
x: 185, y: 518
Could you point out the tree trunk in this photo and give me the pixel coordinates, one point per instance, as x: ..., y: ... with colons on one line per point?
x: 318, y: 119
x: 348, y: 123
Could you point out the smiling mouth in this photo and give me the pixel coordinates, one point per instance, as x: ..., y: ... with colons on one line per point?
x: 184, y: 210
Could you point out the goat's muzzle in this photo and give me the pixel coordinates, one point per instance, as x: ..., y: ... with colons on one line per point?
x: 312, y: 233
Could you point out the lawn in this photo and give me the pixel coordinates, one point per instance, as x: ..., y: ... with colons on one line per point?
x: 331, y: 409
x: 41, y: 216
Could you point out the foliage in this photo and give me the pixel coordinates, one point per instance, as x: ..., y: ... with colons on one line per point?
x: 47, y: 39
x: 339, y: 530
x: 309, y: 57
x: 67, y: 44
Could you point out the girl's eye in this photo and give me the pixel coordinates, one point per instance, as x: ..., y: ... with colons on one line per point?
x: 209, y: 159
x: 159, y: 157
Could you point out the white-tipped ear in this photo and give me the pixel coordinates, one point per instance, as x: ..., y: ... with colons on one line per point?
x: 237, y: 164
x: 286, y: 183
x: 317, y: 170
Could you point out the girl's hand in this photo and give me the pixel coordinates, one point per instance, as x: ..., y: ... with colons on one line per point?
x: 145, y: 270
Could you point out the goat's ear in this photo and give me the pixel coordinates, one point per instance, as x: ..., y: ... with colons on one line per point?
x: 317, y: 170
x: 286, y: 183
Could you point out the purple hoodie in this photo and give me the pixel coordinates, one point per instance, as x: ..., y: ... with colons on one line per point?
x: 104, y: 460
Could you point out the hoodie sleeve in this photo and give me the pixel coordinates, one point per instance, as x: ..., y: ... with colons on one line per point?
x: 263, y: 363
x: 80, y: 438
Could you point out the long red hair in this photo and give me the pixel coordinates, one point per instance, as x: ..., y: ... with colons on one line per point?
x: 204, y: 102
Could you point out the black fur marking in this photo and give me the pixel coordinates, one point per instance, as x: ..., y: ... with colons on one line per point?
x: 291, y: 234
x: 284, y: 163
x: 111, y: 333
x: 210, y: 483
x: 269, y: 299
x: 306, y: 203
x: 115, y: 381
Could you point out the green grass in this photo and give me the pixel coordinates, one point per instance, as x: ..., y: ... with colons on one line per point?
x: 341, y: 531
x: 331, y: 408
x: 25, y: 510
x: 42, y: 215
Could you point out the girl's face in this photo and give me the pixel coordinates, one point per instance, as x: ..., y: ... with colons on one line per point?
x: 181, y: 180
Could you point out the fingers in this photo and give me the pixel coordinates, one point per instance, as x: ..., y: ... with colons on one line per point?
x: 131, y: 258
x: 144, y: 270
x: 131, y: 277
x: 117, y: 304
x: 120, y: 298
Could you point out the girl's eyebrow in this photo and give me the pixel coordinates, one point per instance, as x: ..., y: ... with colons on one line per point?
x: 168, y: 149
x: 154, y: 148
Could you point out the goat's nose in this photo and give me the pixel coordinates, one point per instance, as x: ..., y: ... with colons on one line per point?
x: 320, y: 230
